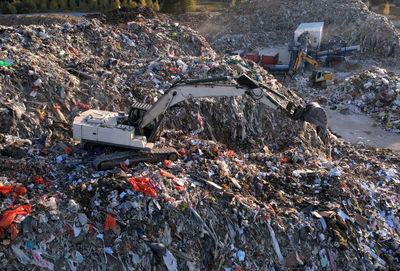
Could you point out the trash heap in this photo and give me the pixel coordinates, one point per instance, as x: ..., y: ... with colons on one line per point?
x: 49, y: 75
x: 124, y: 15
x: 47, y: 19
x: 265, y: 197
x: 262, y: 23
x: 374, y: 91
x: 213, y: 209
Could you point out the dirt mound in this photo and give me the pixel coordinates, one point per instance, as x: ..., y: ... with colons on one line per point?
x: 124, y: 15
x: 259, y: 23
x: 45, y: 20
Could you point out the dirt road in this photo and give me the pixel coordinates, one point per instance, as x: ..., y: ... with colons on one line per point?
x: 357, y: 128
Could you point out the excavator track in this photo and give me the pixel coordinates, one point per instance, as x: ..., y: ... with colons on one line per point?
x: 109, y: 161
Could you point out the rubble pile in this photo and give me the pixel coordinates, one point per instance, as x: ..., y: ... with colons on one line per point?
x: 261, y: 23
x: 374, y: 91
x: 251, y: 189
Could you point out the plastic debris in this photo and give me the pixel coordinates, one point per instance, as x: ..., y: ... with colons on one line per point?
x: 170, y: 261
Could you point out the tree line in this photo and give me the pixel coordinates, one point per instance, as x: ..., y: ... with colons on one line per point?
x: 30, y: 6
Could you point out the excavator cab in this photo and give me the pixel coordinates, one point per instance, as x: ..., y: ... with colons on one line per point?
x: 320, y: 77
x: 317, y: 76
x: 135, y: 116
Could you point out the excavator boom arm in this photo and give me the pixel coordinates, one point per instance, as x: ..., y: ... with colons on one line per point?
x: 201, y: 88
x: 302, y: 56
x: 185, y: 92
x: 297, y: 63
x: 312, y: 61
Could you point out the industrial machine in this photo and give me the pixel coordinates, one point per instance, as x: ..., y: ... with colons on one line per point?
x: 309, y: 35
x: 137, y: 129
x: 299, y: 60
x: 305, y: 48
x: 320, y: 78
x: 337, y: 50
x: 317, y: 77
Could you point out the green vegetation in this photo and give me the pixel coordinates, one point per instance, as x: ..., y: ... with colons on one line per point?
x: 167, y: 6
x: 156, y: 6
x: 7, y: 8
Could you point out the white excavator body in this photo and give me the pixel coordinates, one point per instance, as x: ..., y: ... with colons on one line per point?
x: 137, y: 129
x: 104, y: 127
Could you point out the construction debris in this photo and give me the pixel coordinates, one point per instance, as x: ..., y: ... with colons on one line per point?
x: 213, y: 208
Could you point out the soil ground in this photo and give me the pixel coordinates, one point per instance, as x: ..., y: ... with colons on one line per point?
x: 357, y: 128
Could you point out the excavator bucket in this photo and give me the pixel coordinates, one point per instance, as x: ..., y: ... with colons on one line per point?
x: 312, y: 113
x: 244, y: 80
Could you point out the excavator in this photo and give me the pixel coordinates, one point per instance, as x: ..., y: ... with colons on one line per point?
x: 317, y: 78
x: 137, y: 130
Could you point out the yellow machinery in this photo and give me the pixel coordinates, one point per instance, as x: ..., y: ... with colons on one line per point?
x: 386, y: 10
x: 318, y: 77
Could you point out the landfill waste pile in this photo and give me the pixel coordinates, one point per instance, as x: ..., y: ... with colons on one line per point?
x: 44, y: 20
x: 374, y: 91
x: 124, y: 15
x: 193, y: 19
x: 50, y: 75
x: 251, y: 190
x: 212, y: 209
x: 262, y: 23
